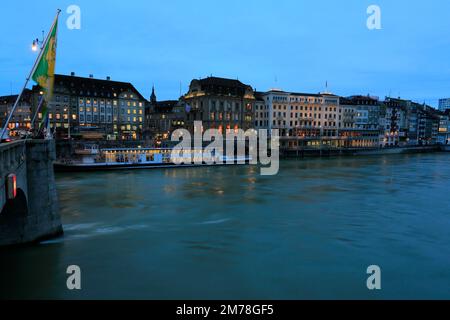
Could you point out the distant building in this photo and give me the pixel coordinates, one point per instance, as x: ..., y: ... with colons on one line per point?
x: 421, y: 122
x: 94, y: 107
x: 444, y: 128
x: 162, y: 118
x: 304, y: 114
x: 262, y: 117
x: 361, y: 121
x: 395, y: 125
x: 21, y: 119
x: 304, y: 120
x: 223, y: 104
x: 444, y: 104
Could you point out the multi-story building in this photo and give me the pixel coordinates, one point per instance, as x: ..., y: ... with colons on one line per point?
x: 303, y: 119
x: 303, y: 114
x: 262, y: 118
x: 21, y: 118
x: 360, y: 122
x: 394, y: 123
x: 162, y: 118
x: 94, y: 107
x: 444, y: 128
x: 220, y: 103
x: 428, y: 129
x: 444, y: 104
x: 421, y: 124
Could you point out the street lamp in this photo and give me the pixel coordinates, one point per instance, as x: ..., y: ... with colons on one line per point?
x: 37, y: 43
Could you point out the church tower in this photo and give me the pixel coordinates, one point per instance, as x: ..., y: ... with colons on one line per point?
x: 153, y: 97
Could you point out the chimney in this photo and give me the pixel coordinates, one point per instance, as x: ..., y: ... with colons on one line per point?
x: 108, y: 78
x: 72, y: 74
x: 91, y: 76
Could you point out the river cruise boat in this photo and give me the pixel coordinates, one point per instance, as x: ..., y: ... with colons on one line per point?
x: 93, y: 159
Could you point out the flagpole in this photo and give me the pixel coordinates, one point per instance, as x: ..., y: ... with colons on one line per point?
x: 41, y: 101
x: 28, y: 78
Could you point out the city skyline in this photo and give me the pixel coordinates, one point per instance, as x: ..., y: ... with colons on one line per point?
x: 312, y: 44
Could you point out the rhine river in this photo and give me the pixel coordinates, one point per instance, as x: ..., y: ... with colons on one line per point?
x: 228, y: 233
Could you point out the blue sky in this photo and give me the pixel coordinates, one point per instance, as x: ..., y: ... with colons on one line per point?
x: 293, y: 45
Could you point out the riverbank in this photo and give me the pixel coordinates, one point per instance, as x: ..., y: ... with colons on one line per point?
x: 288, y: 154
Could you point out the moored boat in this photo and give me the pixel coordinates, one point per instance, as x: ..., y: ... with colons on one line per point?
x: 93, y: 159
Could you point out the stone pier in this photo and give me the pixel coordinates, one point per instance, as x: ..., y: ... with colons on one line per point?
x: 33, y: 214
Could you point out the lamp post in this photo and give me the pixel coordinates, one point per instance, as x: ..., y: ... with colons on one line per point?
x: 38, y: 44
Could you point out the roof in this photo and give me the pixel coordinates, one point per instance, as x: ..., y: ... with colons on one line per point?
x: 306, y: 94
x: 366, y: 100
x: 220, y: 86
x: 259, y: 96
x: 96, y: 87
x: 223, y: 82
x: 302, y: 94
x: 26, y: 96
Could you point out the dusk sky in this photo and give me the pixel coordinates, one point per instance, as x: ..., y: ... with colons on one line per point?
x: 293, y: 45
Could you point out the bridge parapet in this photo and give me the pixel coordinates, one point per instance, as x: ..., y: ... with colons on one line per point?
x: 34, y: 213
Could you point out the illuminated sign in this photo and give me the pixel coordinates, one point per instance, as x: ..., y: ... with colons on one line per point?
x: 11, y: 186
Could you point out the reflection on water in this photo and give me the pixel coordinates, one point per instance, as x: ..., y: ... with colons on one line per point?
x: 309, y: 232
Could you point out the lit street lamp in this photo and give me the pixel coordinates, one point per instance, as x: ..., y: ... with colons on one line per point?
x: 37, y: 43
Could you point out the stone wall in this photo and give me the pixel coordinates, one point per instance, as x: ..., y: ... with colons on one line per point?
x: 34, y: 214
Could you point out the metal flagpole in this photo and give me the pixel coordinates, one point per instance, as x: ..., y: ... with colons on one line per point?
x: 41, y: 101
x: 28, y: 78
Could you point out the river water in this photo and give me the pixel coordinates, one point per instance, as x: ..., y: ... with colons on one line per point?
x: 228, y: 233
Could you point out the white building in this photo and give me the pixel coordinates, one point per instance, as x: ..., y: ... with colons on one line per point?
x: 302, y: 114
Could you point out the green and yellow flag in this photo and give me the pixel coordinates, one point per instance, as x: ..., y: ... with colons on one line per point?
x: 44, y: 72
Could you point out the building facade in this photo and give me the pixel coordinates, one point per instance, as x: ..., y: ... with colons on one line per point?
x: 303, y: 119
x: 262, y: 117
x: 444, y: 128
x: 361, y: 122
x: 219, y: 103
x: 89, y: 107
x: 21, y: 119
x: 162, y: 118
x: 444, y: 104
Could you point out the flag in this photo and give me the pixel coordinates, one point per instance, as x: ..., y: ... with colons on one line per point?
x: 44, y: 72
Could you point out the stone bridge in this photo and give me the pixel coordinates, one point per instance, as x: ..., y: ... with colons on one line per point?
x: 33, y: 214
